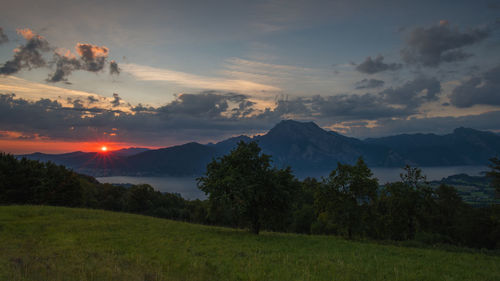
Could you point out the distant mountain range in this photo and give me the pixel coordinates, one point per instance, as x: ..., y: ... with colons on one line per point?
x: 303, y: 146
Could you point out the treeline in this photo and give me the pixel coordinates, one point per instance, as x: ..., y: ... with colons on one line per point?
x: 244, y: 190
x: 24, y: 181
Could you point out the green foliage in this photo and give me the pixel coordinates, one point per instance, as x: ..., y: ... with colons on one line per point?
x: 26, y: 181
x: 494, y: 174
x: 346, y: 199
x: 243, y: 189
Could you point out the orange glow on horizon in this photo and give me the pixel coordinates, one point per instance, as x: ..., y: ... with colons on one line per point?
x: 104, y: 148
x: 56, y: 147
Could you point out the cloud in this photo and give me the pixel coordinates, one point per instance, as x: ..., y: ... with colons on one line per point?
x: 65, y: 64
x: 91, y: 58
x: 397, y: 102
x: 437, y: 125
x: 355, y: 107
x: 369, y: 84
x: 113, y: 68
x: 3, y: 37
x: 370, y: 66
x: 116, y: 100
x: 214, y: 115
x: 208, y: 104
x: 440, y: 43
x: 30, y: 55
x: 27, y: 56
x: 92, y: 99
x: 191, y: 116
x: 413, y: 93
x: 482, y: 89
x: 147, y: 73
x: 33, y: 90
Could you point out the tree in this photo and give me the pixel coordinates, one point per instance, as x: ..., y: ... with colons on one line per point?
x: 494, y: 174
x: 245, y: 190
x: 344, y: 203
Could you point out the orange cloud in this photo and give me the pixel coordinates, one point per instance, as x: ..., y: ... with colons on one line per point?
x: 90, y: 51
x: 27, y: 33
x: 65, y: 53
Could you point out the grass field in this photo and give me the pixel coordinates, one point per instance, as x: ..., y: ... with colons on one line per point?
x: 52, y: 243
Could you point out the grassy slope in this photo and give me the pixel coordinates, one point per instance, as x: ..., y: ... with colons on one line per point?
x: 51, y: 243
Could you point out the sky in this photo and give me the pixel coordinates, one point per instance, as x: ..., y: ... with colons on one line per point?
x: 76, y: 75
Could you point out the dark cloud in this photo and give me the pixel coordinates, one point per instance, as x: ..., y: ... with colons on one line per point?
x: 3, y: 37
x: 92, y: 99
x: 116, y: 100
x: 369, y: 84
x: 206, y: 104
x: 91, y: 58
x: 413, y: 93
x: 145, y: 124
x: 351, y: 107
x: 371, y: 66
x: 400, y: 101
x: 482, y: 89
x: 437, y: 125
x: 77, y: 103
x: 65, y: 64
x: 207, y: 115
x: 27, y: 56
x: 113, y: 68
x: 30, y: 55
x: 440, y: 43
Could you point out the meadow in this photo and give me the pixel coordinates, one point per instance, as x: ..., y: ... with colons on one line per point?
x: 57, y: 243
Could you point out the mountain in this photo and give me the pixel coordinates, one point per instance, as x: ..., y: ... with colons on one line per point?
x: 462, y: 147
x: 186, y: 159
x: 306, y: 146
x: 302, y: 145
x: 92, y: 163
x: 124, y: 152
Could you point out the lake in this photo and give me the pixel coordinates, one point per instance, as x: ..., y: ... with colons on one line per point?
x: 186, y: 186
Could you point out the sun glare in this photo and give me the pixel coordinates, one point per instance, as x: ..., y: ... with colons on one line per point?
x: 104, y: 149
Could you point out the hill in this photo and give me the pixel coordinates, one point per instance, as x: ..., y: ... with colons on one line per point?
x: 302, y: 145
x: 54, y: 243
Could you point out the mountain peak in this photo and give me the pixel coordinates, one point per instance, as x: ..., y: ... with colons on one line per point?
x: 295, y: 127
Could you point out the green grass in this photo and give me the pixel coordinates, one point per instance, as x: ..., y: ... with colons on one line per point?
x: 52, y: 243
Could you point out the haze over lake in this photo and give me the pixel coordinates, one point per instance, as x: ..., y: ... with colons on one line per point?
x: 186, y: 186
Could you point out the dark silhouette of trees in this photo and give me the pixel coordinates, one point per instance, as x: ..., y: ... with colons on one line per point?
x: 246, y: 191
x: 494, y: 174
x: 244, y: 186
x: 345, y: 200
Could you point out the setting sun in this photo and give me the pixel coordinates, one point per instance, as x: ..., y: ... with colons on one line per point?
x: 104, y: 148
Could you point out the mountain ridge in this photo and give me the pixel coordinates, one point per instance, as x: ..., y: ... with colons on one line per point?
x: 302, y: 145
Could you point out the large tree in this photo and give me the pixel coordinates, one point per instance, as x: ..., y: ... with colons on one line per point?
x: 244, y: 186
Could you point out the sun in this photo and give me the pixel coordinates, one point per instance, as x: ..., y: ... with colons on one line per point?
x: 104, y: 148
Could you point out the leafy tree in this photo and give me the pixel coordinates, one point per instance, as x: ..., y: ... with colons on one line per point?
x: 345, y: 201
x: 494, y: 174
x: 413, y: 177
x: 243, y: 186
x: 405, y: 206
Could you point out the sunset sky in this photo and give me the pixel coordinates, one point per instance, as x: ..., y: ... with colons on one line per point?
x: 76, y: 75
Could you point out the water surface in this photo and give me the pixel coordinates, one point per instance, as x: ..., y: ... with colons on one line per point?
x: 186, y: 186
